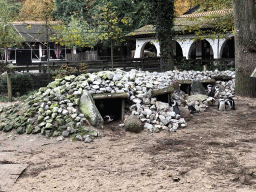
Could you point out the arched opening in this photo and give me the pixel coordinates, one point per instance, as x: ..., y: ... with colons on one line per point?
x: 177, y: 51
x: 201, y: 49
x: 228, y: 48
x: 149, y: 50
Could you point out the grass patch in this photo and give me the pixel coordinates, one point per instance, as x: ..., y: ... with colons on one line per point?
x: 3, y: 98
x: 82, y: 132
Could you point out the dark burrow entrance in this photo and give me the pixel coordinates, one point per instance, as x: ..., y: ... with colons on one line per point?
x: 163, y: 98
x: 186, y: 88
x: 111, y: 107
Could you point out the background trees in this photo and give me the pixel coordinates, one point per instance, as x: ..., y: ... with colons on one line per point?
x: 8, y: 35
x: 37, y: 10
x: 64, y: 10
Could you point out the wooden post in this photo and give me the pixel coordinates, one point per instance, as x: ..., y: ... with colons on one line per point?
x: 204, y: 67
x: 9, y: 85
x: 40, y: 65
x: 123, y: 109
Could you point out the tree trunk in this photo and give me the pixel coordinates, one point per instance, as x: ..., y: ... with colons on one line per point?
x: 245, y: 47
x: 162, y: 13
x: 112, y: 55
x: 9, y: 83
x: 167, y: 58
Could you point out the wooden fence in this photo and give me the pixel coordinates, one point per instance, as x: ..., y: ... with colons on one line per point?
x: 145, y: 64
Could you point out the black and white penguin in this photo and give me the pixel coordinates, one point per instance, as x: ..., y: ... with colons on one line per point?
x: 216, y: 92
x: 210, y: 90
x: 210, y: 100
x: 108, y: 118
x: 175, y: 107
x: 222, y: 104
x: 230, y: 103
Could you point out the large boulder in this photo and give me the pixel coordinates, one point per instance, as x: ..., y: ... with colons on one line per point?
x: 197, y: 88
x: 198, y: 97
x: 133, y: 124
x: 90, y: 111
x: 184, y: 113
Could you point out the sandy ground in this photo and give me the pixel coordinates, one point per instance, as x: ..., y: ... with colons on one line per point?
x: 215, y: 152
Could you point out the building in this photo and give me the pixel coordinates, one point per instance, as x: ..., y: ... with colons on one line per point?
x: 186, y: 43
x: 37, y: 44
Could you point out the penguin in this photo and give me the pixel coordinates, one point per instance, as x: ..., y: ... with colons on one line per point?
x: 210, y: 90
x: 217, y: 91
x: 191, y: 109
x: 230, y: 103
x: 221, y: 104
x: 210, y: 100
x: 108, y: 118
x: 175, y: 107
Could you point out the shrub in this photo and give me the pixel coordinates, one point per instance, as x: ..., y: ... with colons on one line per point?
x: 21, y: 84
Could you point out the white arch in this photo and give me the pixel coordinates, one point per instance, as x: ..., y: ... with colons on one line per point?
x: 185, y: 46
x: 140, y: 44
x: 185, y: 41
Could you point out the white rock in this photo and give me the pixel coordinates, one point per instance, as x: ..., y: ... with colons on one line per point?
x: 162, y: 106
x: 136, y: 100
x: 148, y: 127
x: 65, y: 112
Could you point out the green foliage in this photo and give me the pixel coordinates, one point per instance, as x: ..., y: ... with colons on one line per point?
x: 136, y: 11
x: 8, y: 12
x: 198, y: 66
x: 65, y: 70
x: 82, y: 132
x: 90, y: 22
x: 3, y: 98
x: 65, y: 10
x: 211, y: 5
x: 109, y: 23
x: 189, y: 65
x: 21, y: 83
x: 27, y: 95
x: 76, y: 33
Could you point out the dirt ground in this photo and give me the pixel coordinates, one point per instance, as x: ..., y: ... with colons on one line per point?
x: 215, y: 152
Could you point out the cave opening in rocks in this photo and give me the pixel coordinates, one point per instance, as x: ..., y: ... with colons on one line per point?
x: 186, y: 88
x: 112, y: 107
x: 163, y: 98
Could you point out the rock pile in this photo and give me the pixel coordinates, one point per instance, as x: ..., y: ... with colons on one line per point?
x: 55, y: 110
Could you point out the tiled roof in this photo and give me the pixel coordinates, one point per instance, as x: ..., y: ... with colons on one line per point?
x: 218, y: 12
x: 181, y: 23
x: 35, y: 22
x: 34, y: 31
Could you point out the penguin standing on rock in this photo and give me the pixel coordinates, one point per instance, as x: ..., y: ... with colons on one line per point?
x: 175, y: 107
x: 210, y: 90
x: 217, y: 91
